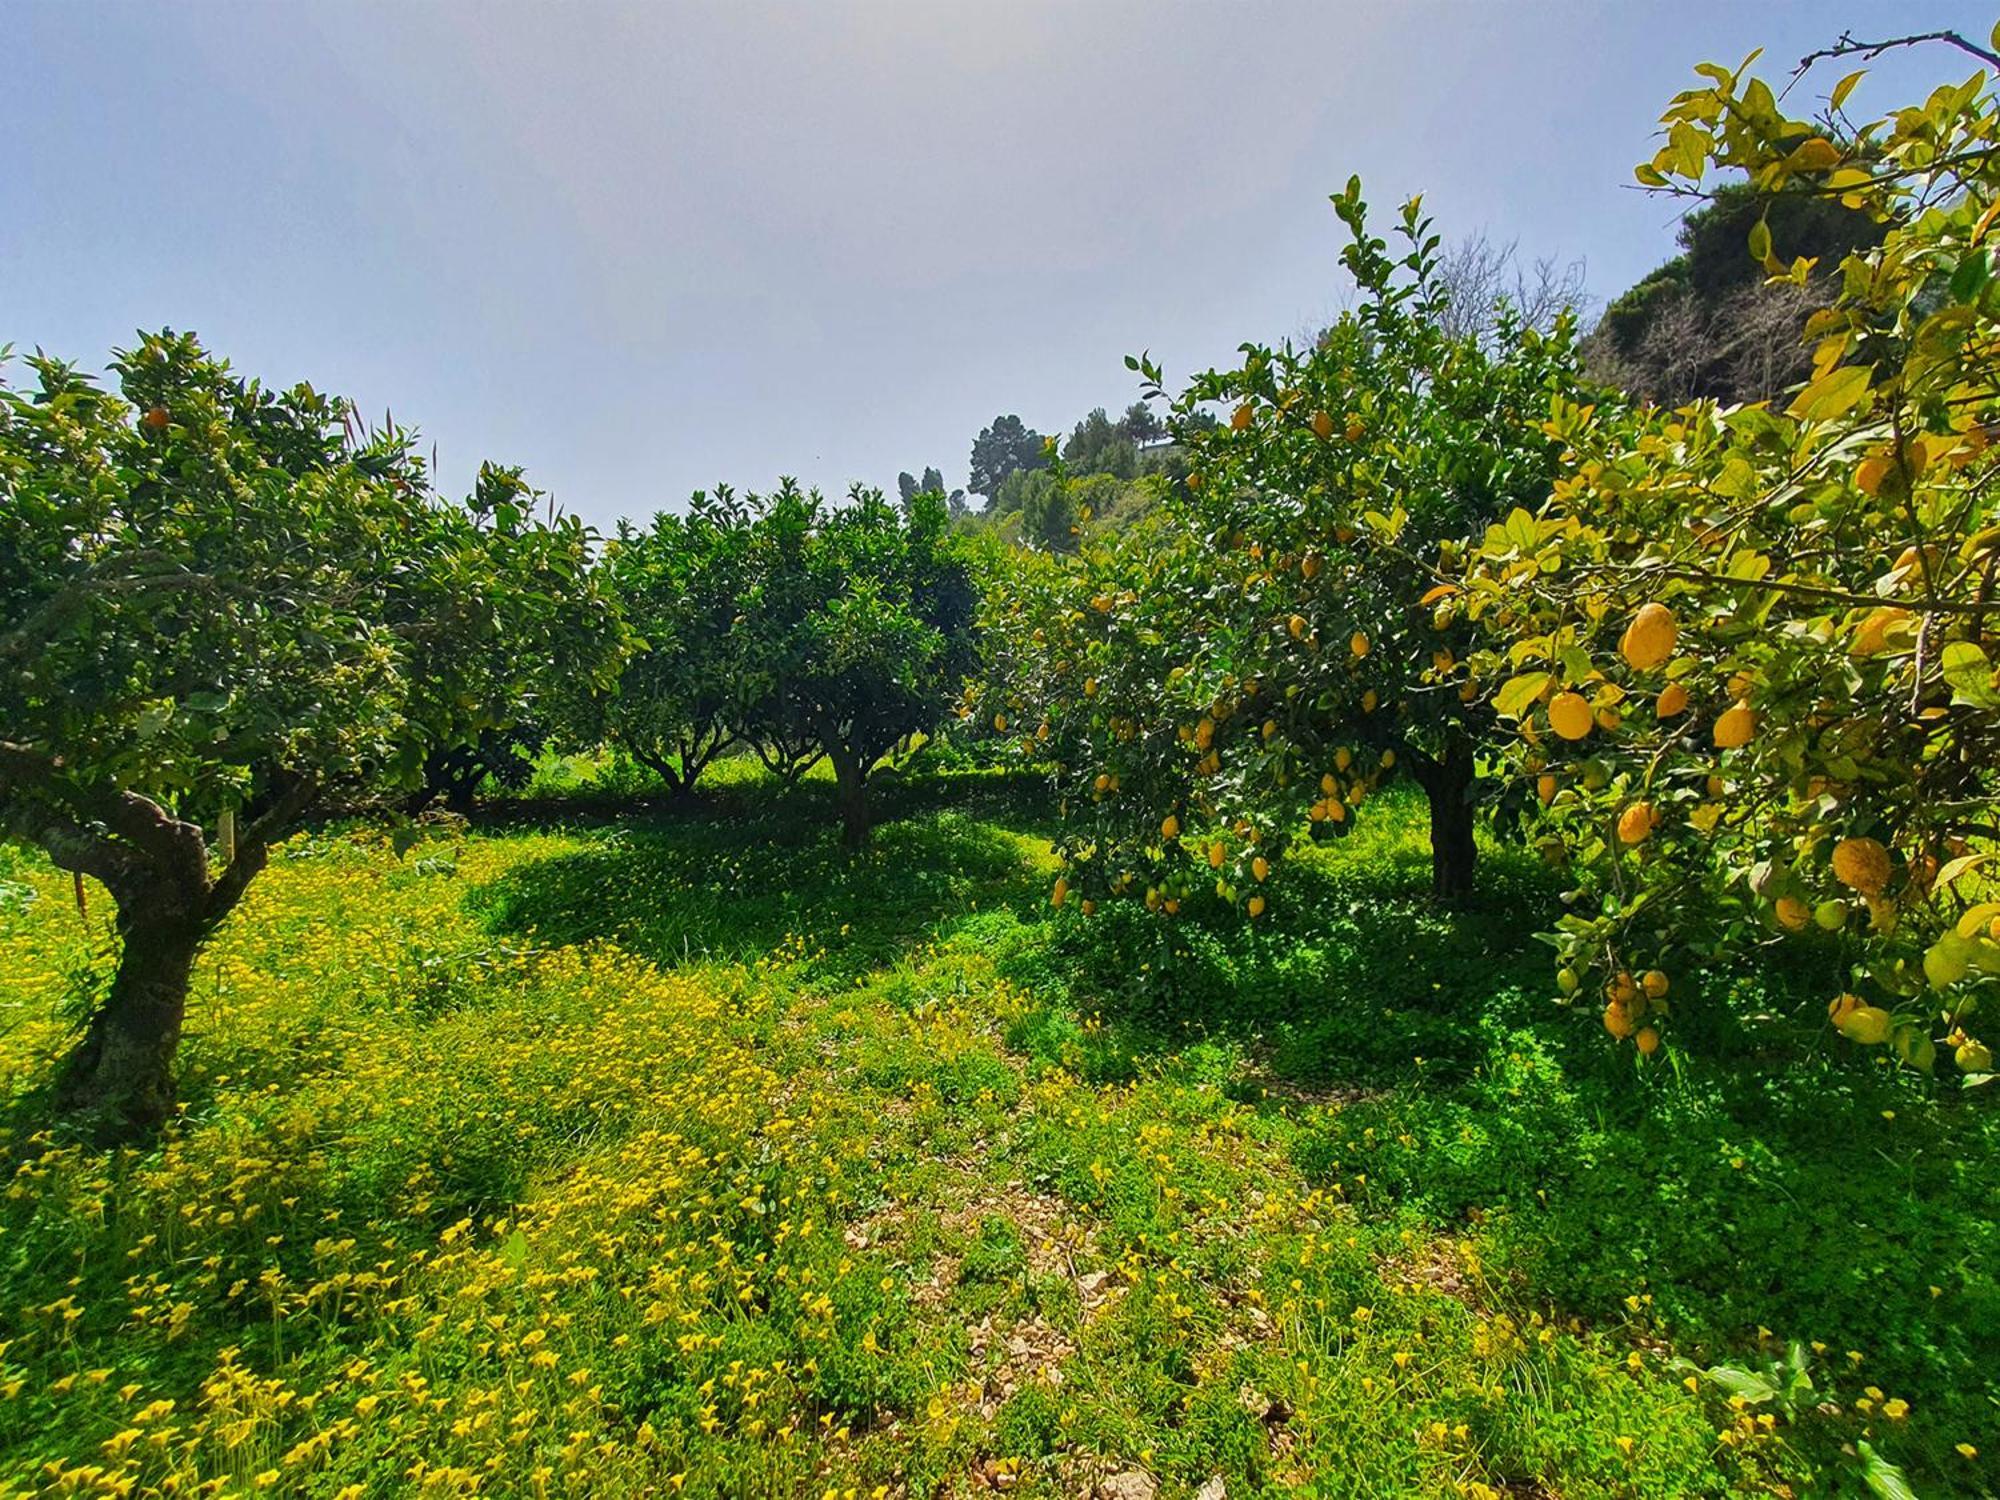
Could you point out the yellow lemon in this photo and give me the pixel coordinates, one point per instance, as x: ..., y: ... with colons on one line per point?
x: 1736, y: 727
x: 1635, y: 824
x: 1649, y: 640
x: 1861, y: 865
x: 1569, y: 716
x: 1866, y: 1024
x: 1872, y: 637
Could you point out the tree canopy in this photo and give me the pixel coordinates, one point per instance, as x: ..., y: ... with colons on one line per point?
x: 225, y: 602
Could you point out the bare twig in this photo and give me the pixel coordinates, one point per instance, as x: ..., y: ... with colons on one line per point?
x: 1848, y: 46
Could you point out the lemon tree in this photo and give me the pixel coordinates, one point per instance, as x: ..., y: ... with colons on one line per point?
x: 858, y: 627
x: 219, y: 604
x: 679, y: 701
x: 1750, y: 653
x: 1281, y: 633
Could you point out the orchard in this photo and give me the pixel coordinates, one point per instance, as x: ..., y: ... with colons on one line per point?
x: 1416, y: 913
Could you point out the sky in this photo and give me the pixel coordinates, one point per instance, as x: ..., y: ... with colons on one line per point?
x: 646, y: 248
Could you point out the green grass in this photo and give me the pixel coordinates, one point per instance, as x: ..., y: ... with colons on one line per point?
x: 688, y: 1153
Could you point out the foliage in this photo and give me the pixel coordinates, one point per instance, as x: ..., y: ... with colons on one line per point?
x: 681, y: 698
x: 1751, y: 651
x: 858, y: 627
x: 1707, y: 323
x: 220, y: 603
x: 1002, y: 448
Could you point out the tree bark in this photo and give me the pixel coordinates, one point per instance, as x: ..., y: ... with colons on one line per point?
x: 1448, y: 781
x: 155, y: 865
x: 851, y: 785
x: 121, y: 1072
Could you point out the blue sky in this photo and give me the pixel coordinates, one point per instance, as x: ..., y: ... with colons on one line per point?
x: 645, y: 248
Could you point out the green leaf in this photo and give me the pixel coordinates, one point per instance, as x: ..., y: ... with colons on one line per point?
x: 1522, y: 531
x: 1883, y: 1478
x: 1518, y: 694
x: 1832, y: 395
x: 1970, y: 279
x: 1748, y: 1384
x: 1760, y: 241
x: 1970, y: 675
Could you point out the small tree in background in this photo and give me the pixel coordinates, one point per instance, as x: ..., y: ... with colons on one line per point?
x: 491, y: 706
x: 860, y: 631
x: 1006, y: 446
x: 218, y: 604
x: 680, y: 700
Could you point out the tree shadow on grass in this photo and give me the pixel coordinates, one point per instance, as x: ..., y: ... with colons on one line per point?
x: 1355, y: 975
x: 738, y: 888
x: 1017, y: 796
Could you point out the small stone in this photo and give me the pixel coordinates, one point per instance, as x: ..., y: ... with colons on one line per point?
x: 1212, y: 1489
x: 1133, y: 1484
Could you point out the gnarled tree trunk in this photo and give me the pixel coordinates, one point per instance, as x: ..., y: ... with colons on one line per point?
x: 122, y: 1070
x: 155, y: 865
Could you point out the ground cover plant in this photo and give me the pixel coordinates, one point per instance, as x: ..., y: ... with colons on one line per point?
x: 700, y: 1155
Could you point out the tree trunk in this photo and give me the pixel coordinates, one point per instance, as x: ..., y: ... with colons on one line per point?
x: 851, y: 783
x: 461, y: 792
x: 121, y: 1072
x: 156, y: 866
x: 1447, y: 781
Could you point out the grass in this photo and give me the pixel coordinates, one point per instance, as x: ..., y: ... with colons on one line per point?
x: 690, y: 1155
